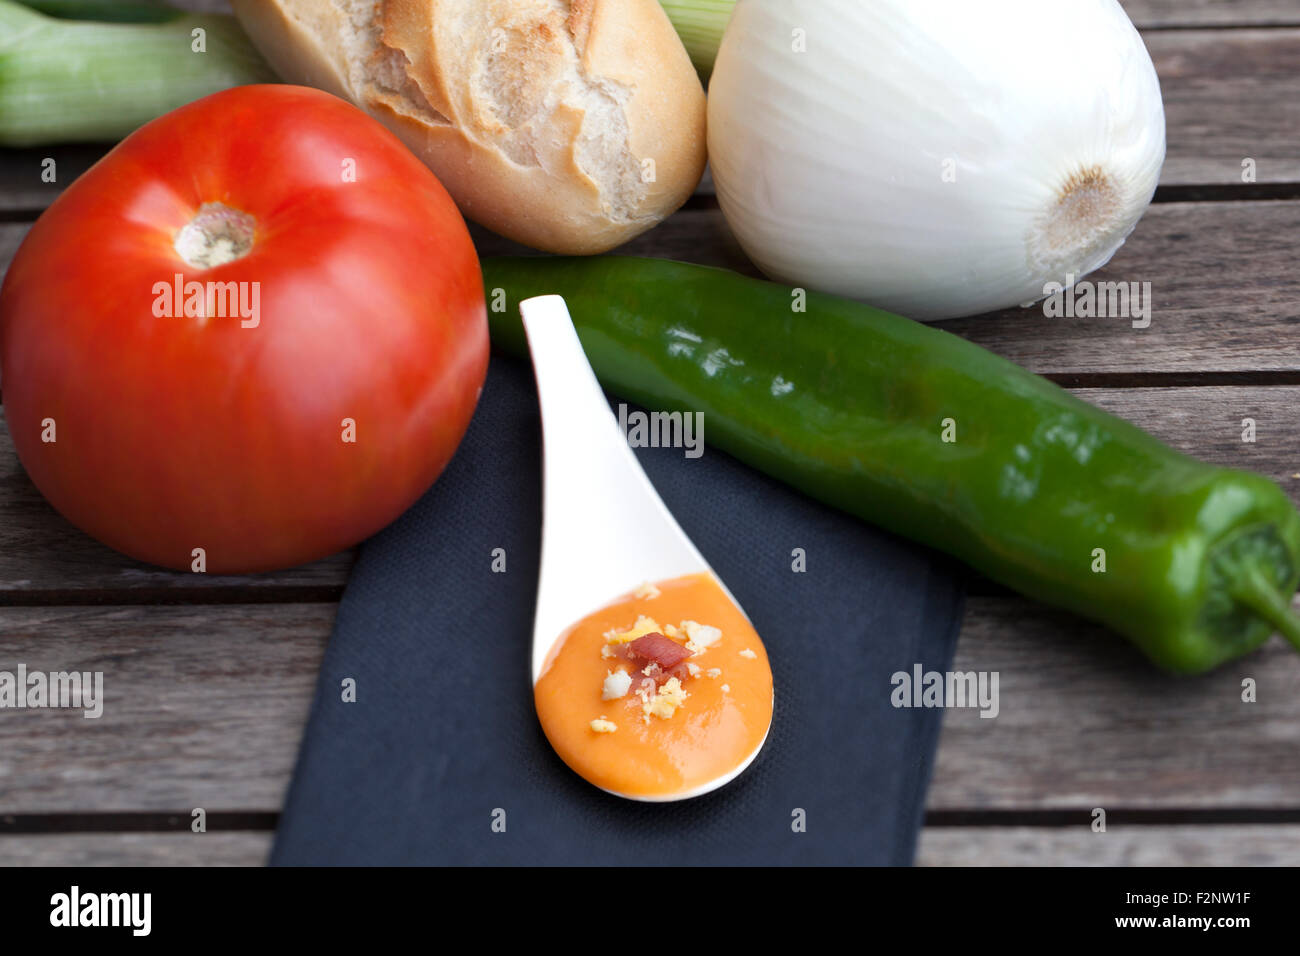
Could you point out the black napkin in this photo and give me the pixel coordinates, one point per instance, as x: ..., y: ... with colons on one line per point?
x: 440, y: 758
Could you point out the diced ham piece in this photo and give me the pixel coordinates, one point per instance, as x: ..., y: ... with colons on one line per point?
x: 660, y: 650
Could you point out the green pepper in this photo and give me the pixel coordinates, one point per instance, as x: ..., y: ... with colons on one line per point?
x: 923, y: 433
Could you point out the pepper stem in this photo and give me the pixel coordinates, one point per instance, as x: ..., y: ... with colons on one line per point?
x: 1254, y: 589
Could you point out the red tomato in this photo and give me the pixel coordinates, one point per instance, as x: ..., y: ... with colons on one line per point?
x: 311, y: 402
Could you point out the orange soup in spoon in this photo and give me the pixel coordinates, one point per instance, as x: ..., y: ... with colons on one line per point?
x: 659, y: 693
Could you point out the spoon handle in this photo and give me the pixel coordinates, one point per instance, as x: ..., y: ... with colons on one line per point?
x: 604, y: 528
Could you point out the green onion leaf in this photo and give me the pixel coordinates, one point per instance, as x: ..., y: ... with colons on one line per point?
x: 65, y: 80
x: 700, y: 24
x: 118, y: 11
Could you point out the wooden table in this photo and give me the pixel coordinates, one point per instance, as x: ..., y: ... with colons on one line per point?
x: 209, y: 679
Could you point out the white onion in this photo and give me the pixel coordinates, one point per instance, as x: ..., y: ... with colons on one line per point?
x: 936, y: 158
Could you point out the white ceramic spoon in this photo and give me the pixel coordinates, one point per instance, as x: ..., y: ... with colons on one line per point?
x: 595, y: 499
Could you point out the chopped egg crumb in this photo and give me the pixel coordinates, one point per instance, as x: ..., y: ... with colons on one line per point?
x: 643, y: 626
x: 714, y: 672
x: 670, y: 631
x: 606, y: 652
x: 670, y: 697
x: 651, y: 669
x: 726, y: 688
x: 700, y: 637
x: 665, y: 703
x: 749, y: 654
x: 693, y: 669
x: 647, y: 592
x: 603, y: 726
x: 616, y: 685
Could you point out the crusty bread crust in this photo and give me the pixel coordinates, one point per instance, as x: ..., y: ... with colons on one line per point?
x: 567, y: 125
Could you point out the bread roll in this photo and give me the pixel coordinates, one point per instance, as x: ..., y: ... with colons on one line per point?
x: 567, y: 125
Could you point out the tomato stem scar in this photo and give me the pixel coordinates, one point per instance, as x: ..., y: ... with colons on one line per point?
x: 215, y: 236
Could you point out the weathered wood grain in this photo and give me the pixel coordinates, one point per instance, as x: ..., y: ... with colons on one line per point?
x: 1119, y: 846
x: 939, y: 846
x: 11, y: 236
x: 41, y: 552
x: 694, y: 234
x: 1229, y: 95
x: 136, y: 849
x: 1225, y: 296
x: 1224, y: 286
x: 206, y: 702
x: 1207, y: 423
x: 203, y: 706
x: 1224, y: 289
x: 45, y: 560
x: 1156, y: 13
x: 24, y: 173
x: 1085, y: 722
x: 1143, y: 12
x: 1217, y: 13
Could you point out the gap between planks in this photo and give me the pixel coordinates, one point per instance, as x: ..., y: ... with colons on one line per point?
x: 1010, y: 846
x: 706, y: 200
x: 144, y: 821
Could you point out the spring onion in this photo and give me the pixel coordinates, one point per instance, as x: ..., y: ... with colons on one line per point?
x: 119, y: 11
x: 65, y: 80
x: 700, y: 24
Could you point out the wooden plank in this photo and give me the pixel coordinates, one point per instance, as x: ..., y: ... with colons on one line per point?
x: 203, y: 706
x: 1120, y: 846
x: 136, y: 849
x: 1225, y: 292
x: 25, y: 173
x: 41, y: 552
x: 1225, y: 297
x: 1156, y: 13
x: 11, y: 236
x: 45, y: 560
x: 1211, y: 13
x: 1207, y: 423
x: 939, y: 846
x: 1224, y: 288
x: 694, y: 234
x: 1229, y: 95
x: 1085, y: 722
